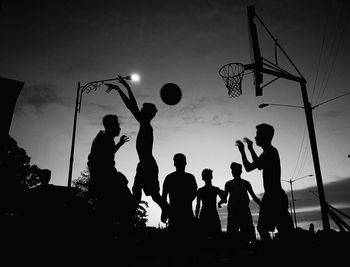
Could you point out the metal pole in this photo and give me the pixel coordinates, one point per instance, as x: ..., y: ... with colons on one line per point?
x: 313, y: 144
x: 293, y: 204
x: 73, y: 138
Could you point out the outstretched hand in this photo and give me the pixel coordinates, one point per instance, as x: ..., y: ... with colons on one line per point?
x: 240, y: 145
x: 249, y: 142
x: 111, y: 87
x: 220, y: 203
x: 123, y: 81
x: 123, y: 139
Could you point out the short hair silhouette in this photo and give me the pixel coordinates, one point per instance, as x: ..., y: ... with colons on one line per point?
x: 267, y: 131
x: 236, y: 167
x: 149, y: 110
x: 150, y: 107
x: 207, y: 174
x: 109, y: 120
x: 179, y: 158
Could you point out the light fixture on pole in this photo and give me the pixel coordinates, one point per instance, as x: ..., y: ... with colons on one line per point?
x: 87, y: 88
x: 282, y: 105
x: 290, y: 181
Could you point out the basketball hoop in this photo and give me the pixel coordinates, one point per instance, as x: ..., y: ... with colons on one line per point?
x: 232, y: 74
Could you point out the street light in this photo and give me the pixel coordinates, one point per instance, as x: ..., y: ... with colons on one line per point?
x: 269, y: 104
x: 290, y: 181
x: 87, y: 88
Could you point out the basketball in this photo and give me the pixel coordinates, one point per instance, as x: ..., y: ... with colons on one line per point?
x: 170, y: 93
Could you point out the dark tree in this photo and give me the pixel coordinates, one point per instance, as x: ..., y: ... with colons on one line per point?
x: 17, y: 175
x: 82, y: 183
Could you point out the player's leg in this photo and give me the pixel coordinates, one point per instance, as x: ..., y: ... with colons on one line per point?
x: 138, y: 184
x: 264, y: 220
x: 157, y: 198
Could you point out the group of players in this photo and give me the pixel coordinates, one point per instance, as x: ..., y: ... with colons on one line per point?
x: 109, y: 187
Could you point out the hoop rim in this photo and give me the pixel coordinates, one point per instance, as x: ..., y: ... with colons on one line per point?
x: 230, y: 64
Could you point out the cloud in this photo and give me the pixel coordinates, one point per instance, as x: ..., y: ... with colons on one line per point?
x: 39, y: 96
x: 198, y: 110
x: 336, y: 193
x: 91, y: 108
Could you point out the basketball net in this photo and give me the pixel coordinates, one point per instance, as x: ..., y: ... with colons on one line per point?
x: 232, y: 75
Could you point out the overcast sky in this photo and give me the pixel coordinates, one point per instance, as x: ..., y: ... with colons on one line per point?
x: 53, y: 45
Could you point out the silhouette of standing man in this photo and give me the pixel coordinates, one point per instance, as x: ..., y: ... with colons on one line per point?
x: 181, y: 187
x: 239, y: 220
x: 274, y: 204
x: 147, y: 169
x: 208, y: 215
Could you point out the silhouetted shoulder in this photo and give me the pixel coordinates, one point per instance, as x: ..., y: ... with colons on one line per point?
x: 245, y: 182
x: 228, y: 183
x: 170, y: 175
x: 269, y: 155
x: 190, y: 175
x: 200, y: 190
x: 217, y: 189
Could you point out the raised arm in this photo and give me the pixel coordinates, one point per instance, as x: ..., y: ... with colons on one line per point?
x: 121, y: 142
x: 251, y: 149
x: 130, y: 102
x: 248, y: 166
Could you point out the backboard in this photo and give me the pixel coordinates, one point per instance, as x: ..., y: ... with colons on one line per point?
x: 255, y: 55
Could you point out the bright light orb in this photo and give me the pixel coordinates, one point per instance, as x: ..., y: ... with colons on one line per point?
x: 135, y: 77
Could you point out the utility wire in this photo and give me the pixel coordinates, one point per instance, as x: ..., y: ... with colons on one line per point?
x: 331, y: 62
x: 306, y: 145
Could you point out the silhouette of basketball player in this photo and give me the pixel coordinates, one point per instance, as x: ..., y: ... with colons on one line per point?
x: 274, y: 204
x: 108, y: 187
x: 181, y: 187
x: 239, y: 219
x: 147, y: 169
x: 208, y: 215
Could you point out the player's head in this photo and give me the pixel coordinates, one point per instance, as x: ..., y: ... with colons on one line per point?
x: 236, y: 169
x: 264, y: 134
x: 180, y: 161
x: 45, y: 176
x: 111, y: 124
x: 207, y: 175
x: 148, y: 111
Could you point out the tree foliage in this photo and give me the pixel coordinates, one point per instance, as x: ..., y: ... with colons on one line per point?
x: 17, y: 174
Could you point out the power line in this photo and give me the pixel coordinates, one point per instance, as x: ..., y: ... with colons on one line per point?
x: 342, y: 20
x: 331, y: 62
x: 337, y: 166
x: 303, y: 160
x: 322, y: 48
